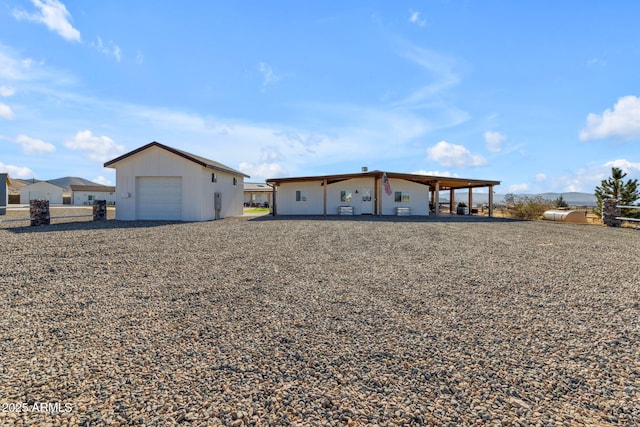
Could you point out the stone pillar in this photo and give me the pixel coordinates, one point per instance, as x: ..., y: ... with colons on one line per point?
x: 99, y: 210
x: 39, y: 211
x: 610, y: 211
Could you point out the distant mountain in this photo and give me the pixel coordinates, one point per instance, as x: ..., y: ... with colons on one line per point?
x: 68, y: 181
x: 573, y: 198
x: 65, y: 182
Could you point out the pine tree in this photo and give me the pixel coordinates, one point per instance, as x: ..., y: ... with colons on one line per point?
x: 615, y: 188
x: 561, y: 202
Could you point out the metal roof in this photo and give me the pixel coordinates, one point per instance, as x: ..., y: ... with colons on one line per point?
x: 210, y: 164
x: 256, y: 187
x: 103, y: 188
x: 445, y: 182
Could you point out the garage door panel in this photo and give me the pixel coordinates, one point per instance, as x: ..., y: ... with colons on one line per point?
x: 159, y: 197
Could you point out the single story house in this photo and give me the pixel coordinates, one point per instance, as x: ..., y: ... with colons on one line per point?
x: 4, y: 192
x: 86, y: 194
x: 42, y: 190
x: 369, y: 193
x: 158, y: 182
x: 257, y: 194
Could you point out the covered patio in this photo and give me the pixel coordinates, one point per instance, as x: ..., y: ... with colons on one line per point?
x: 436, y: 184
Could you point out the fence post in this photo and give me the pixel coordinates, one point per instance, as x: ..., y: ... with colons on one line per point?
x: 39, y: 210
x: 99, y: 210
x: 610, y: 211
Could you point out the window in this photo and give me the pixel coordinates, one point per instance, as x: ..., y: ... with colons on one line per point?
x: 90, y: 198
x: 401, y: 196
x: 214, y: 178
x: 345, y: 196
x: 301, y: 196
x: 235, y: 181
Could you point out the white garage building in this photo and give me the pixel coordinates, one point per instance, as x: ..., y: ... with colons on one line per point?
x: 42, y: 190
x: 157, y: 182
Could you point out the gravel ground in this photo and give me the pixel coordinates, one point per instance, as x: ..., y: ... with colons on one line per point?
x: 364, y: 321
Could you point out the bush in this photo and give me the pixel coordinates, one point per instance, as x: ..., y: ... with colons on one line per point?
x: 527, y: 207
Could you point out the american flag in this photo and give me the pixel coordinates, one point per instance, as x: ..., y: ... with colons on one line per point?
x: 385, y: 182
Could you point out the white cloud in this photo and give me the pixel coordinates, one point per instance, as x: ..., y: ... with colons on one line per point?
x: 111, y: 49
x: 54, y: 15
x: 441, y: 67
x: 16, y: 171
x: 102, y: 180
x: 34, y: 146
x: 540, y: 177
x: 262, y: 171
x: 593, y: 62
x: 435, y: 173
x: 6, y: 112
x: 414, y: 18
x: 268, y: 76
x: 518, y: 188
x: 585, y: 179
x: 623, y: 164
x: 621, y: 123
x: 453, y: 155
x: 6, y: 91
x: 494, y: 141
x: 14, y: 68
x: 139, y: 58
x: 100, y: 148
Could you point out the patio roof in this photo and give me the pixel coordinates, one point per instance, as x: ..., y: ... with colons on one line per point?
x: 435, y: 183
x: 444, y: 182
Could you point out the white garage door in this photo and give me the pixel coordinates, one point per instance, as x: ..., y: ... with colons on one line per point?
x: 159, y: 197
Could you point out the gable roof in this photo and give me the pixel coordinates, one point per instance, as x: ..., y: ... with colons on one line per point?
x: 210, y: 164
x: 43, y: 183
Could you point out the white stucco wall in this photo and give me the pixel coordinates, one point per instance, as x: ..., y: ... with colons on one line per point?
x: 41, y: 190
x: 287, y: 204
x: 286, y: 198
x: 232, y: 195
x: 351, y: 186
x: 197, y: 188
x: 81, y: 198
x: 418, y: 197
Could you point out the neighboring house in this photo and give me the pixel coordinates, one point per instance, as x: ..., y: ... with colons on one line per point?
x: 86, y: 194
x: 41, y: 190
x: 160, y: 182
x: 4, y: 192
x: 368, y: 193
x: 257, y: 194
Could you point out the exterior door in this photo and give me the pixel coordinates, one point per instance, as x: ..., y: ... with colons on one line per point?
x: 366, y: 207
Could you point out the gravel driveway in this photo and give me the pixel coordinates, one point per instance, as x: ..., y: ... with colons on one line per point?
x: 276, y: 321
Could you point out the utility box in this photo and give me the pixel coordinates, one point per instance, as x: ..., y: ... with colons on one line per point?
x: 217, y: 204
x: 4, y: 193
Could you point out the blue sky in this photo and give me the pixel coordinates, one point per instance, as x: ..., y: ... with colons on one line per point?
x: 543, y: 96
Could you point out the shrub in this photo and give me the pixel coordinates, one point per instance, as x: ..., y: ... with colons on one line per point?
x: 528, y: 207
